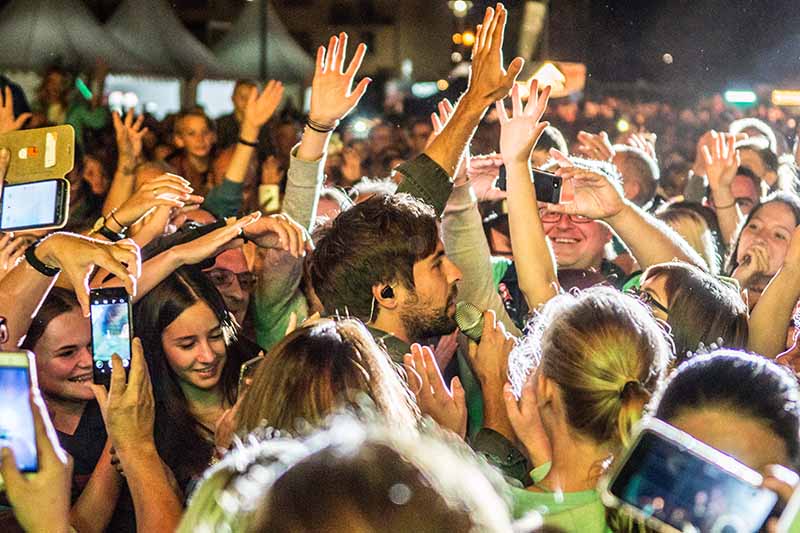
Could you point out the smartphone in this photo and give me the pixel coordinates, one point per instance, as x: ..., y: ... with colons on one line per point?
x: 35, y: 205
x: 39, y: 154
x: 17, y: 430
x: 546, y: 185
x: 676, y: 483
x: 112, y: 330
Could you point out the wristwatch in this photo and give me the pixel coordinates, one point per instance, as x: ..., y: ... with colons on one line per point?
x: 101, y: 228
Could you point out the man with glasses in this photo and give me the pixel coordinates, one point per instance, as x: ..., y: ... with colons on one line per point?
x: 232, y: 276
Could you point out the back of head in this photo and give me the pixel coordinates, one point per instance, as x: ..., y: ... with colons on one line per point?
x: 606, y: 353
x: 376, y: 241
x: 694, y: 229
x: 636, y: 165
x: 359, y: 478
x: 58, y: 302
x: 755, y: 127
x: 745, y: 384
x: 319, y: 369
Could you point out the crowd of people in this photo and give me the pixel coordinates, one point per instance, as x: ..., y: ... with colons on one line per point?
x: 298, y: 364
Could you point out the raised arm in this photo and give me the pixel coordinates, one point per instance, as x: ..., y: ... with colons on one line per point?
x: 429, y: 176
x: 722, y: 161
x: 333, y: 97
x: 129, y: 135
x: 599, y: 196
x: 535, y: 261
x: 772, y: 315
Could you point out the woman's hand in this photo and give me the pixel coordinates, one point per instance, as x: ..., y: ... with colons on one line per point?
x: 168, y: 190
x: 722, y: 161
x: 260, y: 108
x: 595, y: 195
x: 216, y: 242
x: 518, y: 134
x: 332, y: 92
x: 41, y: 502
x: 280, y: 231
x: 527, y: 422
x: 7, y: 120
x: 129, y: 134
x: 128, y: 408
x: 755, y: 263
x: 77, y: 256
x: 490, y: 357
x: 12, y: 250
x: 447, y: 407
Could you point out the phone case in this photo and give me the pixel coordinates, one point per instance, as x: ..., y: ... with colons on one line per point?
x: 39, y: 154
x: 62, y: 209
x: 694, y: 446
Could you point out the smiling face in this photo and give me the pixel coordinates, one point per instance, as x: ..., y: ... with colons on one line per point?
x: 64, y: 357
x: 194, y: 346
x: 771, y: 227
x: 577, y: 246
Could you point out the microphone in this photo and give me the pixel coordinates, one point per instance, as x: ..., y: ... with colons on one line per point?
x: 469, y: 320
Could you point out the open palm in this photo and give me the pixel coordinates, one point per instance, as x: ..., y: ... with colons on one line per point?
x: 518, y: 134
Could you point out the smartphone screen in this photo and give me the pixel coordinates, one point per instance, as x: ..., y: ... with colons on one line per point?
x: 111, y: 330
x: 669, y: 482
x: 37, y: 204
x: 17, y: 430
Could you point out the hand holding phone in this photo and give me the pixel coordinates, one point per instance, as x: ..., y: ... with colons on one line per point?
x: 34, y: 205
x: 548, y: 186
x: 110, y: 311
x: 17, y: 428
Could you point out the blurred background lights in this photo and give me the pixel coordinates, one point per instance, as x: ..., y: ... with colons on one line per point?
x: 456, y: 57
x: 740, y: 97
x: 460, y: 7
x: 442, y: 85
x: 129, y: 100
x: 457, y: 38
x: 424, y: 89
x: 623, y: 125
x: 667, y: 58
x: 468, y: 38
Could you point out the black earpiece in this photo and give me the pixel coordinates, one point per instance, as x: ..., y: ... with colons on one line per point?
x: 387, y: 292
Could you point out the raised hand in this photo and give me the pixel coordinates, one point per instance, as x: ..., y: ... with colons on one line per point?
x: 129, y: 134
x: 596, y: 146
x: 447, y: 407
x: 439, y: 120
x: 7, y: 120
x: 168, y: 190
x: 280, y: 231
x: 212, y: 244
x: 261, y: 107
x: 595, y: 195
x: 707, y: 141
x: 645, y: 142
x: 128, y: 408
x: 12, y: 250
x: 77, y: 256
x: 527, y: 422
x: 519, y: 134
x: 721, y: 160
x: 490, y: 357
x: 488, y: 80
x: 41, y: 501
x: 332, y: 92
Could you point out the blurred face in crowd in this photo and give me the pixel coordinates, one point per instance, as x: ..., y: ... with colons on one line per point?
x: 746, y: 193
x: 771, y: 228
x: 579, y: 243
x: 380, y: 138
x: 286, y: 136
x: 194, y: 134
x: 419, y: 136
x: 53, y: 86
x: 194, y: 346
x: 429, y: 308
x: 95, y: 175
x: 234, y: 281
x: 240, y: 95
x: 64, y: 357
x: 745, y: 438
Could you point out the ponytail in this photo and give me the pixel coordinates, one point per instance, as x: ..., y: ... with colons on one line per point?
x: 633, y: 399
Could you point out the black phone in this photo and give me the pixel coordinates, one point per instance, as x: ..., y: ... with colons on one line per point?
x: 677, y: 483
x: 546, y: 185
x: 35, y: 205
x: 112, y: 330
x: 17, y: 429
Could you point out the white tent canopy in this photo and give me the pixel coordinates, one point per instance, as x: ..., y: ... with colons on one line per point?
x: 150, y: 28
x: 240, y: 49
x: 37, y: 33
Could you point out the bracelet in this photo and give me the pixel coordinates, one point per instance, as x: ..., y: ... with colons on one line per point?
x: 109, y: 234
x: 112, y: 215
x: 248, y: 143
x: 38, y: 265
x: 321, y: 128
x: 726, y: 206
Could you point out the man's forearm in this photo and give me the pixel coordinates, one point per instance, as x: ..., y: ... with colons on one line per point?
x: 157, y: 506
x: 447, y: 149
x: 650, y: 240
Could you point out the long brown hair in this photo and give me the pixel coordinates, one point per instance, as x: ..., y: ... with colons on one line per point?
x: 318, y: 369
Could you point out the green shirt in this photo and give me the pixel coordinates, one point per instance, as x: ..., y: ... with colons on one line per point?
x: 579, y: 512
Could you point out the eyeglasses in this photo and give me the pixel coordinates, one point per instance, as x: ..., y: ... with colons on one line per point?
x: 551, y: 217
x: 223, y: 279
x: 647, y: 299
